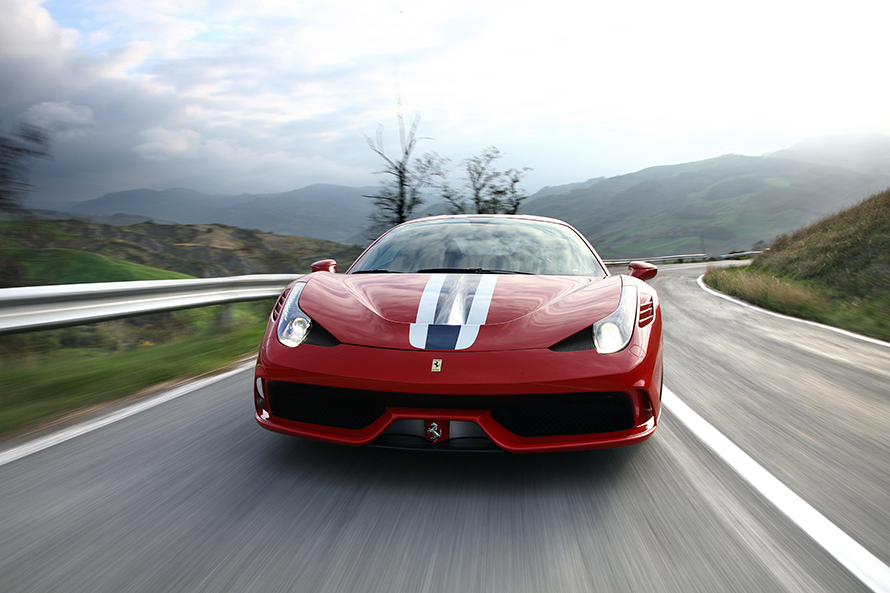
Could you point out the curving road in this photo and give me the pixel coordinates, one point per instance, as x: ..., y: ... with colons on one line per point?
x: 191, y: 495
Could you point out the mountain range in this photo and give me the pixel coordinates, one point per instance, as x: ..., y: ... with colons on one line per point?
x: 727, y: 203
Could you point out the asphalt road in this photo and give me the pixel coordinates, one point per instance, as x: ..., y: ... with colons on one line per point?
x: 191, y: 495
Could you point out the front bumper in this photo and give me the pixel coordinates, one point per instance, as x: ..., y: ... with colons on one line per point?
x: 521, y: 401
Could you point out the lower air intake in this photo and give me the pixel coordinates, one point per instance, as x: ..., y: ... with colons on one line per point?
x: 563, y: 415
x: 325, y: 406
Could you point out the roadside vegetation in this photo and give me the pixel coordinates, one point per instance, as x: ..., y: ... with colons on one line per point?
x: 47, y: 375
x: 835, y: 271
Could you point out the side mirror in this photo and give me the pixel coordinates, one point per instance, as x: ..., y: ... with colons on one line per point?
x: 324, y: 265
x: 642, y: 270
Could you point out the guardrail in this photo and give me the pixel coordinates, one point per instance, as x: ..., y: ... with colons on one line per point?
x: 738, y: 254
x: 50, y: 307
x: 659, y: 260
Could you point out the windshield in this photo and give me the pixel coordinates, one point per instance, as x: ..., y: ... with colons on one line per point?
x: 487, y: 245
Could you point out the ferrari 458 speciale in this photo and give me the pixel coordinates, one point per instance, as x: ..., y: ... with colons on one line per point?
x: 467, y: 332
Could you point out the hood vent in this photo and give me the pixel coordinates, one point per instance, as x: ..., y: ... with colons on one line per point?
x: 582, y: 340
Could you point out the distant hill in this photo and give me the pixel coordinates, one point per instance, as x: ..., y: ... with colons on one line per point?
x: 332, y: 212
x: 569, y: 187
x: 69, y: 266
x: 718, y: 205
x: 47, y: 252
x: 866, y: 153
x: 724, y: 204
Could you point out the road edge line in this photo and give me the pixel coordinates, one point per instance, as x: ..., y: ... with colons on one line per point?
x: 845, y: 332
x: 864, y: 565
x: 50, y: 440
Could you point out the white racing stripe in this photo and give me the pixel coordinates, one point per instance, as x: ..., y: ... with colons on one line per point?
x: 482, y: 300
x: 426, y: 311
x: 859, y: 561
x: 443, y: 320
x: 478, y: 312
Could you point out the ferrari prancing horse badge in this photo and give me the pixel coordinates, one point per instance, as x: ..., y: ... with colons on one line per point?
x: 437, y: 365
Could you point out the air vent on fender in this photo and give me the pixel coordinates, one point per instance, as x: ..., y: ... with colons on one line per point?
x: 647, y: 310
x: 276, y: 310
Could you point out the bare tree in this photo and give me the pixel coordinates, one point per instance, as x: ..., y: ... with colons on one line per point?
x: 489, y: 191
x: 16, y: 153
x: 401, y: 193
x: 513, y: 194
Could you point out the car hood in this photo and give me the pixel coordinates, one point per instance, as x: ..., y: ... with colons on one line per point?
x: 456, y: 311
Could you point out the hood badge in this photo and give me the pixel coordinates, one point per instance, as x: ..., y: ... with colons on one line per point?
x: 437, y: 366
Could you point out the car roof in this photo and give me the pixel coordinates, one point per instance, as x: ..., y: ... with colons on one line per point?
x: 480, y: 217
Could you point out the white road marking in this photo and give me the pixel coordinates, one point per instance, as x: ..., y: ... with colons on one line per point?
x: 859, y: 561
x: 707, y: 288
x: 75, y: 431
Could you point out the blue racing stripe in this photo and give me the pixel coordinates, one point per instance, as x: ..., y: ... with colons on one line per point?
x: 442, y: 337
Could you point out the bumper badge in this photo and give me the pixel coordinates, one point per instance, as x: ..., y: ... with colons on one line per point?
x: 437, y: 365
x: 433, y: 433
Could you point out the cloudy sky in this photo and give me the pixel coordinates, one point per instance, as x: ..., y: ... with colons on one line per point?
x: 235, y: 96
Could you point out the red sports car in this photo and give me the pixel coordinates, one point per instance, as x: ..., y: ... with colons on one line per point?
x: 467, y: 332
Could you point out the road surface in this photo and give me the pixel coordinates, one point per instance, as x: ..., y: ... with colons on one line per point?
x: 191, y: 495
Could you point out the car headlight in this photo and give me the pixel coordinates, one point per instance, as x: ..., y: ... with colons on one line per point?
x: 613, y: 333
x: 293, y: 325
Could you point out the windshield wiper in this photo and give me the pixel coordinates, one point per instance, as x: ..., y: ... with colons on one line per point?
x: 377, y: 271
x: 468, y: 270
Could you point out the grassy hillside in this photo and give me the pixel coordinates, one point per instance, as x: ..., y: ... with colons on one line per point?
x: 835, y: 271
x: 39, y: 251
x: 69, y: 266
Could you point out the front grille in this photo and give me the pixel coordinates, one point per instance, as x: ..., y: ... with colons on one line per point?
x: 325, y: 406
x: 562, y: 415
x: 539, y: 415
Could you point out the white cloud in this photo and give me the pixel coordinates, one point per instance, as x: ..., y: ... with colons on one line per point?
x: 63, y: 120
x: 161, y: 144
x: 574, y: 90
